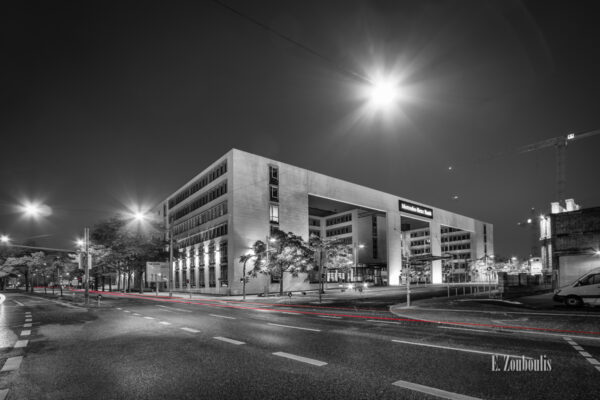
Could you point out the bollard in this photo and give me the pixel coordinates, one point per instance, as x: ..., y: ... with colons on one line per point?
x: 98, y: 300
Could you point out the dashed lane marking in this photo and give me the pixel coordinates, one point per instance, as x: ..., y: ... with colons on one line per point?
x: 149, y: 317
x: 189, y: 330
x: 295, y: 327
x: 385, y: 322
x: 456, y: 349
x: 126, y: 311
x: 27, y: 325
x: 19, y: 303
x: 174, y: 308
x: 136, y: 314
x: 584, y: 353
x: 21, y: 343
x: 330, y: 316
x: 28, y: 320
x: 119, y: 308
x: 433, y: 391
x: 25, y: 333
x: 221, y: 316
x: 300, y: 358
x: 224, y: 339
x: 464, y: 329
x: 12, y: 364
x: 165, y: 323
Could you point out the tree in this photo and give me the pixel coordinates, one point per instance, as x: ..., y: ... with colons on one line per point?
x: 289, y: 253
x: 118, y: 247
x: 24, y: 265
x: 331, y: 253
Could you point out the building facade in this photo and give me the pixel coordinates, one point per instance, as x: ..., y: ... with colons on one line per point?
x: 217, y: 216
x: 570, y: 238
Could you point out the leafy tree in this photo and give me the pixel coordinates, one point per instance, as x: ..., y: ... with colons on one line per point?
x: 24, y: 265
x: 331, y: 253
x: 118, y: 247
x: 288, y: 253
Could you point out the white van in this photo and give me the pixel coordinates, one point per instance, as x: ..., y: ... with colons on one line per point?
x: 585, y: 289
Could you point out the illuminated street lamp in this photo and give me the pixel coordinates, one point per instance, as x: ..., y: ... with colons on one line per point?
x: 4, y: 239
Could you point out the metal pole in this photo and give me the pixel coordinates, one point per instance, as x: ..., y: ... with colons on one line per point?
x: 170, y: 261
x: 244, y: 281
x: 88, y: 264
x: 267, y: 284
x: 407, y: 281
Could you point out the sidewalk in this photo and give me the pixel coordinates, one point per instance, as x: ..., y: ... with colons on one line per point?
x: 537, y: 313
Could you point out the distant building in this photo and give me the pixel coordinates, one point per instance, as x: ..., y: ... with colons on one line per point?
x: 217, y: 216
x: 570, y: 238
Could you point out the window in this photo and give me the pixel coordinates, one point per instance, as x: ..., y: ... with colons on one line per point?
x: 224, y: 280
x: 274, y: 193
x: 273, y: 175
x: 339, y: 231
x: 199, y: 184
x: 274, y: 213
x: 201, y: 282
x: 211, y: 277
x: 338, y: 220
x: 193, y: 278
x: 211, y: 254
x: 590, y: 280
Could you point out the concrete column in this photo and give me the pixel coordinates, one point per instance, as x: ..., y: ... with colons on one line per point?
x: 436, y: 250
x: 394, y: 247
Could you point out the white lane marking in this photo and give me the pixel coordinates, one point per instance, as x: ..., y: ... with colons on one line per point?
x: 189, y: 330
x: 330, y: 316
x: 174, y: 308
x: 433, y: 391
x: 12, y: 363
x: 28, y: 320
x: 300, y: 358
x: 119, y: 308
x: 503, y: 330
x: 19, y: 303
x: 587, y: 355
x: 224, y: 339
x: 25, y: 333
x: 136, y: 314
x: 464, y: 329
x: 165, y: 323
x: 27, y: 325
x: 126, y: 311
x: 384, y: 322
x: 3, y: 394
x: 149, y: 317
x: 457, y: 349
x: 21, y: 343
x: 221, y: 316
x: 28, y: 313
x: 295, y: 327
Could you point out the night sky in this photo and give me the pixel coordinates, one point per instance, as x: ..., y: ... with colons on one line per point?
x: 109, y: 104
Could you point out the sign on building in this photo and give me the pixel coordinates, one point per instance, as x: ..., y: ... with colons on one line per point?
x: 415, y: 209
x: 157, y: 271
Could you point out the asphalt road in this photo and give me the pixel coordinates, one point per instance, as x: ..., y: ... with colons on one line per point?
x: 131, y: 348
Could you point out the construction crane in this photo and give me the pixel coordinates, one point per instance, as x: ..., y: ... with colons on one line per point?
x: 560, y: 144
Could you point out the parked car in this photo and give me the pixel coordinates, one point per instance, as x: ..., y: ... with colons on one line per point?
x: 584, y: 290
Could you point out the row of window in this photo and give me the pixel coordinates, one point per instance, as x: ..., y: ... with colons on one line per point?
x: 314, y: 222
x: 339, y: 231
x: 425, y: 250
x: 203, y: 236
x: 206, y: 216
x: 422, y: 242
x: 338, y: 220
x: 209, y: 196
x: 191, y: 278
x: 273, y: 197
x: 374, y: 235
x: 447, y: 229
x: 451, y: 247
x: 456, y: 238
x: 419, y: 234
x: 199, y: 184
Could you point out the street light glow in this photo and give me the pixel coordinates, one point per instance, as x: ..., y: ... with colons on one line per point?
x: 35, y: 209
x: 4, y: 239
x: 383, y: 93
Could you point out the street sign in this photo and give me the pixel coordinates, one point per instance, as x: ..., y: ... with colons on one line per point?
x: 157, y: 271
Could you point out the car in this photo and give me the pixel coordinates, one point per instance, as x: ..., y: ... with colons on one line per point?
x: 584, y: 290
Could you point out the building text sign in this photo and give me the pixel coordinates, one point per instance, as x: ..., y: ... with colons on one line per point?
x: 415, y: 209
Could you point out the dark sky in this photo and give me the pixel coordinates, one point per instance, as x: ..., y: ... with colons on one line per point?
x: 108, y: 103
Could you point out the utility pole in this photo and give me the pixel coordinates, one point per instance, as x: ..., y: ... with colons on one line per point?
x: 170, y: 261
x: 88, y: 265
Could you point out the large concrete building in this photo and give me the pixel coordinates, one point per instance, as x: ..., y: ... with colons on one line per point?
x: 217, y: 216
x: 570, y: 241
